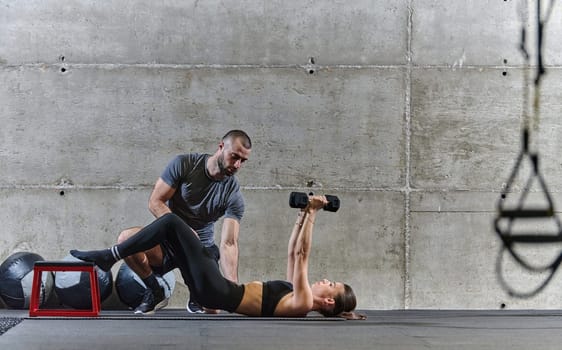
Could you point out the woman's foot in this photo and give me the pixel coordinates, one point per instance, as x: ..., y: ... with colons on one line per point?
x: 102, y: 258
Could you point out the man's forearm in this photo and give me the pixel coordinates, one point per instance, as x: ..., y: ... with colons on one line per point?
x: 229, y: 262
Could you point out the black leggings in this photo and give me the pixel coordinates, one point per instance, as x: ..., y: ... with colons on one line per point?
x: 198, y: 267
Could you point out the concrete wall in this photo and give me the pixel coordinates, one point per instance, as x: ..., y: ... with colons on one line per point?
x: 408, y: 110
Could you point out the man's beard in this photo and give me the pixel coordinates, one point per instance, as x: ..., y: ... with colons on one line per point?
x: 222, y: 168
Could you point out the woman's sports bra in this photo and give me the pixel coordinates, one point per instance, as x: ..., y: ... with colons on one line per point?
x: 272, y: 293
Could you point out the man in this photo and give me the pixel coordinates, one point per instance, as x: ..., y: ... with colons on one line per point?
x: 199, y: 188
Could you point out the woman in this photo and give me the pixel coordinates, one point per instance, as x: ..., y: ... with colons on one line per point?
x: 292, y: 298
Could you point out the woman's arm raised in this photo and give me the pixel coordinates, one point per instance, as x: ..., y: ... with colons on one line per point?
x: 291, y: 249
x: 302, y: 300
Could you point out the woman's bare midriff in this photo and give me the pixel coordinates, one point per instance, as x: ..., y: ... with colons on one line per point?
x: 251, y: 301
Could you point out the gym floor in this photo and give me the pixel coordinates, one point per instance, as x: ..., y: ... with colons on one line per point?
x: 395, y: 329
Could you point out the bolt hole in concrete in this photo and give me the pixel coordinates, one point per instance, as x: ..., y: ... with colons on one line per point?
x: 311, y: 61
x: 61, y: 193
x: 505, y: 61
x: 63, y: 69
x: 504, y: 73
x: 502, y: 306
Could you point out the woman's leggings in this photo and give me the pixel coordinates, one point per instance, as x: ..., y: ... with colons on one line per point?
x: 198, y: 268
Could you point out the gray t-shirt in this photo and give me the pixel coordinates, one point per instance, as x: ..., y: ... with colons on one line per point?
x: 199, y: 200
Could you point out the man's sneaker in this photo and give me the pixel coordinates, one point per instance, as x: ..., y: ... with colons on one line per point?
x: 194, y: 308
x: 152, y: 301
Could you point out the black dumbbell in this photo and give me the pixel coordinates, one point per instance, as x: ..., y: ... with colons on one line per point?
x: 300, y: 200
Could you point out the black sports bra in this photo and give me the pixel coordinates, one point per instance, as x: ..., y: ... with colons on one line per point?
x: 272, y: 292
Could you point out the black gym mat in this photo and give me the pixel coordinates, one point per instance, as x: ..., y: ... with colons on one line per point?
x: 383, y: 330
x: 181, y: 314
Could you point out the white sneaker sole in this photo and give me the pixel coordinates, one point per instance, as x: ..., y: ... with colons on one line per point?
x: 158, y: 306
x: 193, y: 312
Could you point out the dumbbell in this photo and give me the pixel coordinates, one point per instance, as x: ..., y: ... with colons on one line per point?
x: 300, y: 200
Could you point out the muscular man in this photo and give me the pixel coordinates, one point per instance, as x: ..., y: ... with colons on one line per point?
x: 200, y: 189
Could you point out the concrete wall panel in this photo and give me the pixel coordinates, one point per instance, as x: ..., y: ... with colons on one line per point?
x: 90, y: 126
x: 204, y: 32
x: 52, y: 221
x: 454, y: 252
x: 481, y: 33
x: 460, y: 118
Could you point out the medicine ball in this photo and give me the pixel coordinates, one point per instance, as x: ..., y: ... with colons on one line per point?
x: 130, y: 287
x: 16, y: 278
x: 73, y: 287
